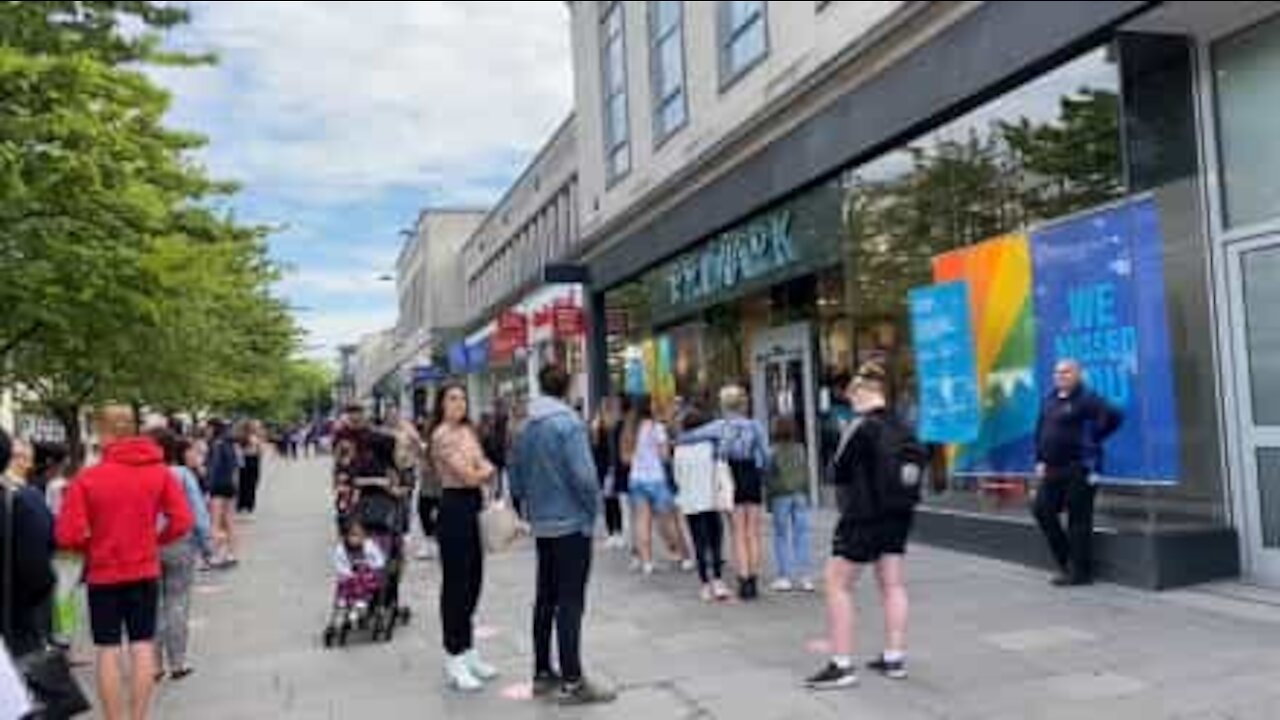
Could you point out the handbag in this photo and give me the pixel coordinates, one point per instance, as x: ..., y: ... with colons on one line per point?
x: 46, y: 670
x: 724, y: 486
x: 500, y: 526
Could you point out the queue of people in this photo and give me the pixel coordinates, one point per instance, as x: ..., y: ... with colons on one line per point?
x: 122, y: 539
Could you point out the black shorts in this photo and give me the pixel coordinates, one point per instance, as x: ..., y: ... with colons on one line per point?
x: 865, y: 542
x: 223, y: 492
x: 118, y: 611
x: 748, y: 483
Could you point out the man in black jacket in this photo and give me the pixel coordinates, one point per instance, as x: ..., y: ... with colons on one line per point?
x: 1074, y: 423
x: 28, y: 584
x: 877, y: 490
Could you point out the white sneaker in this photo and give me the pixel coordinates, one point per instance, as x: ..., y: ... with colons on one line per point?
x: 708, y: 594
x: 782, y: 585
x: 481, y: 670
x: 459, y: 676
x: 688, y: 565
x: 808, y: 586
x: 635, y: 565
x: 721, y: 591
x: 647, y: 569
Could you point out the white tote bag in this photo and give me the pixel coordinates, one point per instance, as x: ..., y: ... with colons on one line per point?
x: 695, y: 469
x: 15, y: 702
x: 500, y: 526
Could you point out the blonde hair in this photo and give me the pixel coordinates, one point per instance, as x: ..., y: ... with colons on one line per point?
x: 733, y: 399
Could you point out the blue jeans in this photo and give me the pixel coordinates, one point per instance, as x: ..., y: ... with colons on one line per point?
x: 791, y: 550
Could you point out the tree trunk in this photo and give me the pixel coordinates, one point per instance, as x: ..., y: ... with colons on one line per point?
x: 69, y: 416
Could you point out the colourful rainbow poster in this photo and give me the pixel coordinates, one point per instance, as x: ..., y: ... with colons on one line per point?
x: 998, y: 275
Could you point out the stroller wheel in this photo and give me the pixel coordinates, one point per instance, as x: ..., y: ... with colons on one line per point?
x: 329, y: 636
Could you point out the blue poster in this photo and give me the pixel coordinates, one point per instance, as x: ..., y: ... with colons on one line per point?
x: 1100, y: 299
x: 458, y: 359
x: 945, y: 364
x: 478, y: 356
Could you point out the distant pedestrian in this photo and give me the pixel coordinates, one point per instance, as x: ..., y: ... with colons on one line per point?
x: 110, y: 514
x: 788, y: 489
x: 464, y: 473
x: 744, y: 445
x: 604, y: 449
x: 178, y: 561
x: 555, y: 479
x: 694, y: 466
x: 224, y: 467
x: 1074, y: 424
x: 878, y: 468
x: 251, y: 444
x: 52, y: 460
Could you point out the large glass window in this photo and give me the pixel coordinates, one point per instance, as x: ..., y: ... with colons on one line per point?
x: 613, y: 65
x: 666, y: 67
x: 1261, y: 300
x: 1247, y: 70
x: 744, y: 38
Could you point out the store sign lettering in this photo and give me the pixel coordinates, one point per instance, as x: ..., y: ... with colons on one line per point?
x: 735, y: 257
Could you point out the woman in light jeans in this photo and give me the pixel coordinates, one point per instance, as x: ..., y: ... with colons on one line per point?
x: 789, y: 502
x: 178, y: 561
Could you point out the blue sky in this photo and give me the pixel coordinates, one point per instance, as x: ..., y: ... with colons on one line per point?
x: 342, y: 120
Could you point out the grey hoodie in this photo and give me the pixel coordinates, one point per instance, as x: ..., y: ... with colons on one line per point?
x: 552, y: 473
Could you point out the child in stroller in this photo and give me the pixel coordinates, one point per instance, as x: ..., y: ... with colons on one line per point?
x: 359, y: 565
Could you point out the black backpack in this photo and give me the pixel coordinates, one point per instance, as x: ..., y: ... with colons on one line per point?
x: 903, y: 461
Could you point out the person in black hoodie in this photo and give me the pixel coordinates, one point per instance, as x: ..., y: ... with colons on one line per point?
x: 877, y: 470
x: 28, y: 584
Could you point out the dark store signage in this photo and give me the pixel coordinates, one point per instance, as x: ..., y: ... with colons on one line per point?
x: 759, y: 248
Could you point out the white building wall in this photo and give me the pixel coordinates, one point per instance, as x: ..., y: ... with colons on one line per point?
x: 802, y: 38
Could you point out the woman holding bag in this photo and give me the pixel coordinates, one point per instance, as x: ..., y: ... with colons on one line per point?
x: 464, y: 472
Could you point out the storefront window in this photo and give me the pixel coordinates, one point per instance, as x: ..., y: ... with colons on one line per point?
x: 1015, y: 200
x: 1247, y: 71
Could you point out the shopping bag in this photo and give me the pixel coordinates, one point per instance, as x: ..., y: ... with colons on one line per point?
x: 724, y: 486
x: 499, y: 526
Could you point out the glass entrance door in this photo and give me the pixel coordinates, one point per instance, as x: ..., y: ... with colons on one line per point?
x: 783, y: 386
x: 1254, y: 284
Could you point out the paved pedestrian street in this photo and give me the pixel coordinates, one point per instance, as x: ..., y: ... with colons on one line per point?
x: 989, y: 641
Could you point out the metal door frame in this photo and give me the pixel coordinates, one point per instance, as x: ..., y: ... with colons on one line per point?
x: 782, y: 344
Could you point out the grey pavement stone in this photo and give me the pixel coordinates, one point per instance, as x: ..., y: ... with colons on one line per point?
x: 990, y: 641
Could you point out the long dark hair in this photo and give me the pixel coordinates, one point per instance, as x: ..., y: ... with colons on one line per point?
x: 437, y: 411
x: 641, y: 410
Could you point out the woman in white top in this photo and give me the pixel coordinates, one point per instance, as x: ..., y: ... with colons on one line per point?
x: 646, y: 447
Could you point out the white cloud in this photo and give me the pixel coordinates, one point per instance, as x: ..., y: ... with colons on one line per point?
x: 340, y: 100
x: 331, y: 283
x: 327, y: 331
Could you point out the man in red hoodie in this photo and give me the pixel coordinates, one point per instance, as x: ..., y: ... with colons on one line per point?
x: 118, y: 514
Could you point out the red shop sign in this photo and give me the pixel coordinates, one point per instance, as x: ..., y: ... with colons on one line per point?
x: 569, y: 321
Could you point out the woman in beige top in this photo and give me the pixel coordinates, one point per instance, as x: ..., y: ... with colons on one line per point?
x: 459, y: 462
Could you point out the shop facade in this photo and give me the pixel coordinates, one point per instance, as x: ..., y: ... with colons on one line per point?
x: 1102, y: 188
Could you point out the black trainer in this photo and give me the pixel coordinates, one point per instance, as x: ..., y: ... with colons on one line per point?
x: 894, y: 670
x: 546, y: 684
x: 832, y: 677
x: 585, y: 692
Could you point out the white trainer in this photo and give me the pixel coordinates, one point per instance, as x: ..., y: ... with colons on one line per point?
x: 481, y: 670
x: 782, y: 585
x: 459, y: 675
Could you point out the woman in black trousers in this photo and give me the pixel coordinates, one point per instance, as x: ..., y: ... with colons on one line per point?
x: 460, y: 464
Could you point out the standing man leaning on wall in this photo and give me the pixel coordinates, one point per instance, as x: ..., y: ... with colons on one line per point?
x: 1074, y: 423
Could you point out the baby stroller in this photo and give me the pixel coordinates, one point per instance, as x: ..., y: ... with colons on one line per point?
x: 372, y: 504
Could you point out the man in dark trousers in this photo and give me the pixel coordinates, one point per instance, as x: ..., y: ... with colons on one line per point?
x: 553, y: 477
x: 1074, y: 423
x: 26, y: 561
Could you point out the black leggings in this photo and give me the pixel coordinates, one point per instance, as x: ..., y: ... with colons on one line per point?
x: 708, y: 542
x: 613, y: 515
x: 429, y: 514
x: 462, y: 565
x: 564, y: 564
x: 250, y: 476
